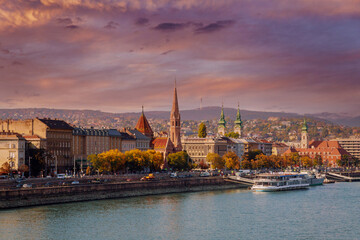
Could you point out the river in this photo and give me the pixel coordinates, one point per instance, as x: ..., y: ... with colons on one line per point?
x: 323, y: 212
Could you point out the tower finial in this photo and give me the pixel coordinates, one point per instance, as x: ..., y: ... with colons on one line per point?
x: 142, y: 109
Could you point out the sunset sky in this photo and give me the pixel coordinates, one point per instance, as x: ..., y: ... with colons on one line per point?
x: 293, y: 56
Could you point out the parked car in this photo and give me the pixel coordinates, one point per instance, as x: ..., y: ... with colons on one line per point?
x: 61, y: 176
x: 173, y: 175
x: 75, y: 182
x: 204, y: 174
x: 27, y: 185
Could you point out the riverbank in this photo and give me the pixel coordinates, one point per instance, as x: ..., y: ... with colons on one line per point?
x: 15, y: 198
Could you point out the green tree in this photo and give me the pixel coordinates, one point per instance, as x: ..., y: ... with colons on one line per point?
x: 232, y: 161
x: 202, y: 130
x: 251, y: 155
x: 179, y: 161
x: 215, y: 160
x: 232, y: 135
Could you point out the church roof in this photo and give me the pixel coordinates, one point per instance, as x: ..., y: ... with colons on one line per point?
x: 143, y: 125
x: 160, y: 142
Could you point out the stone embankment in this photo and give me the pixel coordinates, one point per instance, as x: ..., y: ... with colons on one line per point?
x: 14, y: 198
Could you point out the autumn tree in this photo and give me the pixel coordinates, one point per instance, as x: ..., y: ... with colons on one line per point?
x: 5, y: 168
x: 306, y: 162
x: 136, y: 160
x: 155, y: 159
x: 112, y: 160
x: 215, y: 160
x: 246, y: 164
x: 232, y: 161
x: 203, y: 165
x: 202, y: 130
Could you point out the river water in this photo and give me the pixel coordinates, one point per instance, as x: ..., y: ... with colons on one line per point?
x: 323, y: 212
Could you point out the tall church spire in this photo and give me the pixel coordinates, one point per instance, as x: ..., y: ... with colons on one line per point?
x: 175, y: 122
x: 238, y: 122
x: 222, y: 122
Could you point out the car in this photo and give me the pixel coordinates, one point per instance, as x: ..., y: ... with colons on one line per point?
x: 27, y: 185
x: 61, y: 176
x: 204, y: 174
x: 75, y: 182
x: 173, y: 175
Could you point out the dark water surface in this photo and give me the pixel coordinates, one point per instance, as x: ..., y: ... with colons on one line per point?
x: 323, y: 212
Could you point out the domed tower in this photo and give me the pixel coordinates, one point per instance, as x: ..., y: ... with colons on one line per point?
x: 238, y: 123
x: 304, y: 143
x: 222, y: 123
x: 175, y: 123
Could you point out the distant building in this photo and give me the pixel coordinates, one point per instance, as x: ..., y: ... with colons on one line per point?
x: 351, y: 145
x: 330, y: 151
x: 265, y: 146
x: 279, y: 148
x: 199, y: 148
x: 12, y: 149
x: 143, y: 142
x: 57, y: 133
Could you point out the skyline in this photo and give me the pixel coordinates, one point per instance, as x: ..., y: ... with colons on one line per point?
x: 290, y: 56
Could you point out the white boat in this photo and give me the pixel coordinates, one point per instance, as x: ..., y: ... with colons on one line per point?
x: 280, y: 182
x: 314, y: 178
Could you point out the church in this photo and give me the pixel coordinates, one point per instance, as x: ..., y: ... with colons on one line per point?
x: 164, y: 144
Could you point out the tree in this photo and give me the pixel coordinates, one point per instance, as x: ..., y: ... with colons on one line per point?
x: 135, y: 160
x: 202, y: 130
x: 245, y: 164
x: 203, y: 165
x: 112, y: 160
x: 88, y: 170
x: 5, y: 168
x: 24, y: 168
x: 318, y: 160
x: 294, y: 158
x: 251, y: 155
x: 37, y: 161
x: 232, y: 161
x: 215, y: 161
x: 306, y: 161
x: 179, y: 161
x: 232, y: 135
x: 156, y: 159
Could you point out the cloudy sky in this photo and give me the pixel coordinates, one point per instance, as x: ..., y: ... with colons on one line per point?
x: 297, y: 56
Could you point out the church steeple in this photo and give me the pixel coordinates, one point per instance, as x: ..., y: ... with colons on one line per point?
x: 222, y: 122
x: 175, y: 122
x: 238, y: 123
x: 304, y: 142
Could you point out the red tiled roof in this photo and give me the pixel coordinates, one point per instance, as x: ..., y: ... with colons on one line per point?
x: 143, y: 126
x: 160, y: 142
x: 324, y: 144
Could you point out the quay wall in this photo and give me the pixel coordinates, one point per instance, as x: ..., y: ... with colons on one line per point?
x: 64, y: 194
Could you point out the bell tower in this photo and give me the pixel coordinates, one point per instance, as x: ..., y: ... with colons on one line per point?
x: 304, y: 143
x: 238, y: 123
x: 175, y: 123
x: 222, y: 123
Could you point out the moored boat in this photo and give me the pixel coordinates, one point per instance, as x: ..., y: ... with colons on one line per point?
x: 315, y: 179
x: 280, y: 182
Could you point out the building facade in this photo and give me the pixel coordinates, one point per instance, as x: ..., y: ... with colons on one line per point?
x: 12, y: 149
x: 199, y: 148
x: 351, y: 145
x: 56, y: 133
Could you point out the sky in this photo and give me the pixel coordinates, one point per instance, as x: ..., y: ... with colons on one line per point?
x: 298, y: 56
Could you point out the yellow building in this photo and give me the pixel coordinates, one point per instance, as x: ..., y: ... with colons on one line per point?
x: 12, y: 149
